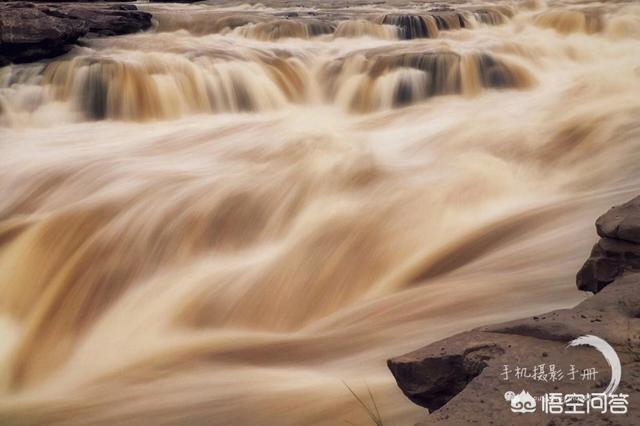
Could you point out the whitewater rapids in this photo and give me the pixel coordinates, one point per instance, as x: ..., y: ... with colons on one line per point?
x: 226, y: 219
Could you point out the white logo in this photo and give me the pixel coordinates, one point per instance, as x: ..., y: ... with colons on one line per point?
x: 522, y: 402
x: 609, y: 354
x: 603, y: 402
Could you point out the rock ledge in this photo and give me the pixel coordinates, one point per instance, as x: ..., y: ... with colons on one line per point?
x: 463, y: 379
x: 34, y: 31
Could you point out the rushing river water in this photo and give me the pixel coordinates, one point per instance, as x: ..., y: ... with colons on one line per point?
x: 222, y: 220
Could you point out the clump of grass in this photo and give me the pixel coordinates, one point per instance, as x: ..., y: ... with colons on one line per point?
x: 374, y: 414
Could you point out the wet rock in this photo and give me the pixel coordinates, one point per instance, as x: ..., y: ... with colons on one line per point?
x: 463, y: 379
x: 33, y: 31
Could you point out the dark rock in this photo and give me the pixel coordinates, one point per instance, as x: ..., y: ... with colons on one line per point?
x: 460, y: 380
x: 621, y: 222
x: 618, y: 250
x: 439, y: 385
x: 609, y: 259
x: 116, y: 20
x: 30, y: 32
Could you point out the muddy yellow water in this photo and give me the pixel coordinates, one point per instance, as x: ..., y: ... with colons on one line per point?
x: 227, y: 218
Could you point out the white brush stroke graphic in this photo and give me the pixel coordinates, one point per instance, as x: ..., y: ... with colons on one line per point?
x: 609, y: 354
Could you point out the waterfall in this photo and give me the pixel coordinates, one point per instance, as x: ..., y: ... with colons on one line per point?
x: 223, y: 218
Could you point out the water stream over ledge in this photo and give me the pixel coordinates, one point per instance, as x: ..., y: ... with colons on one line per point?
x: 221, y: 220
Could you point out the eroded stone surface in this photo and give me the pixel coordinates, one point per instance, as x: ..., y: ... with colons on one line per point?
x: 30, y: 31
x: 618, y: 250
x: 621, y: 222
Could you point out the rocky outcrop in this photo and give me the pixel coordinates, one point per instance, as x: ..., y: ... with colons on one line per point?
x: 621, y: 222
x: 465, y: 378
x: 34, y: 31
x: 617, y: 251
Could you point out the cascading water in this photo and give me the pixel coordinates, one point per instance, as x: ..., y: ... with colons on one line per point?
x: 221, y: 220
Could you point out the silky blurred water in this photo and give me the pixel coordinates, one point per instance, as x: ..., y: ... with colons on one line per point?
x: 222, y: 220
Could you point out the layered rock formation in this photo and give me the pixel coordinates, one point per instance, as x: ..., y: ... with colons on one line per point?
x: 466, y: 378
x: 617, y: 251
x: 34, y: 31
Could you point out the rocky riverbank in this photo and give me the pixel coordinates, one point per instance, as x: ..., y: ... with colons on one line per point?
x: 467, y: 378
x: 33, y: 31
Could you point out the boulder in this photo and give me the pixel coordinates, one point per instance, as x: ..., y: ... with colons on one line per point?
x: 621, y: 222
x: 617, y: 251
x: 34, y: 31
